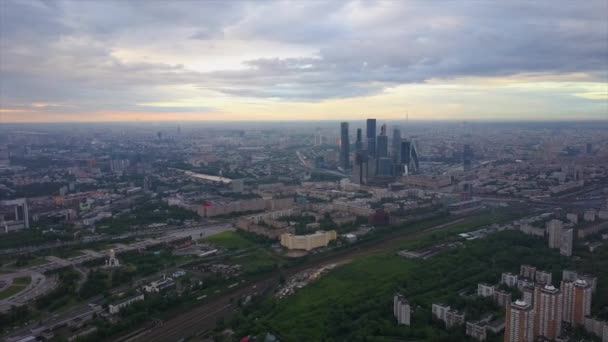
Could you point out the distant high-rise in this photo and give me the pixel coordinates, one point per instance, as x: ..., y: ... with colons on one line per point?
x: 548, y: 312
x: 359, y: 175
x: 567, y: 238
x: 344, y: 146
x: 396, y: 146
x: 371, y: 137
x: 385, y: 166
x: 554, y: 229
x: 589, y: 148
x: 359, y: 141
x: 409, y: 158
x: 382, y: 143
x: 519, y: 322
x: 401, y: 309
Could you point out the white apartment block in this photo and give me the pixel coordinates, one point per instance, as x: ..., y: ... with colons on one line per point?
x: 401, y: 310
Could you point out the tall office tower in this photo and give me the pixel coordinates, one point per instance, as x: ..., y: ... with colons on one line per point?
x: 409, y: 158
x: 371, y: 137
x: 519, y: 322
x: 359, y: 175
x: 576, y: 301
x: 589, y: 148
x: 385, y: 166
x: 548, y: 312
x: 401, y: 309
x: 567, y: 238
x: 382, y: 143
x: 359, y: 141
x: 467, y: 157
x: 396, y: 150
x: 344, y: 146
x: 405, y: 157
x: 554, y: 229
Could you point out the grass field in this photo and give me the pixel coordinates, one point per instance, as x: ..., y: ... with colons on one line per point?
x: 257, y: 261
x: 230, y: 240
x: 17, y: 286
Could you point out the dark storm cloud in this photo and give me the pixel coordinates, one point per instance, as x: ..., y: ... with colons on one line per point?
x: 63, y: 51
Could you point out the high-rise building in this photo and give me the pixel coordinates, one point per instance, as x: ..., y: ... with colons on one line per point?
x: 401, y: 309
x: 519, y: 322
x: 576, y: 301
x: 405, y: 157
x: 554, y: 229
x: 382, y: 143
x: 385, y: 166
x: 359, y: 141
x: 396, y: 146
x: 409, y: 158
x: 371, y: 137
x: 565, y: 247
x: 344, y: 146
x: 359, y: 175
x: 547, y: 312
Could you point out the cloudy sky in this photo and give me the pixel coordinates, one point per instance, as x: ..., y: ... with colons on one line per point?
x: 302, y: 60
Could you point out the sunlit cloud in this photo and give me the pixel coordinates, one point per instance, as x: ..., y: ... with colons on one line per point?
x: 83, y: 60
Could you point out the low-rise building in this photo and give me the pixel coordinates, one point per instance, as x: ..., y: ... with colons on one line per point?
x: 521, y: 283
x: 160, y: 285
x: 485, y: 290
x: 589, y: 215
x: 445, y: 314
x: 527, y: 271
x: 454, y: 318
x: 439, y: 311
x: 115, y: 307
x: 597, y: 327
x: 308, y: 242
x: 477, y: 330
x: 572, y: 217
x: 509, y: 279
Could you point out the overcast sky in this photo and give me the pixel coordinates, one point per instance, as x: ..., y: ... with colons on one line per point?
x: 293, y: 60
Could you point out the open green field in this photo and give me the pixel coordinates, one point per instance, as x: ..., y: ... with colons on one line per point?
x: 354, y: 302
x: 17, y: 286
x: 230, y: 240
x: 257, y: 261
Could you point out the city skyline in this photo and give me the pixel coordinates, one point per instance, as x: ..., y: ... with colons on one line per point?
x: 216, y: 61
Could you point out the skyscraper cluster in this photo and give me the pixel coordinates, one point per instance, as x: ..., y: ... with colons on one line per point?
x: 376, y: 158
x: 542, y: 315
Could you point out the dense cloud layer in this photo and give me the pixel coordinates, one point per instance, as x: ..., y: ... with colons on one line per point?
x: 104, y: 55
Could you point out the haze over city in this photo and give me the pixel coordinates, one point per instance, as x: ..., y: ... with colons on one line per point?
x: 302, y: 60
